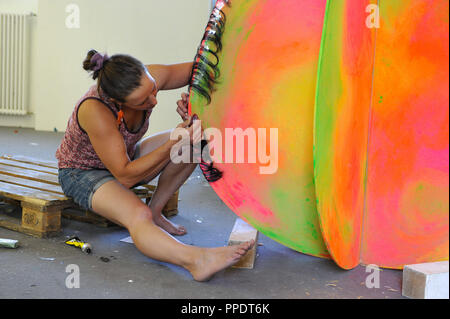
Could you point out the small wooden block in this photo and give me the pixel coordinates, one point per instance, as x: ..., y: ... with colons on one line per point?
x: 426, y: 281
x: 243, y: 232
x: 40, y: 220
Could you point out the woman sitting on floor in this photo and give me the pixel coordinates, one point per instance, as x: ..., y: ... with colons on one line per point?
x: 102, y: 156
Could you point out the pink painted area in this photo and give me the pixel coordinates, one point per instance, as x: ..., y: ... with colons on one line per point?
x: 406, y: 220
x: 239, y: 197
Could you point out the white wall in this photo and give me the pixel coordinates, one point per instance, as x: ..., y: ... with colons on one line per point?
x: 154, y: 31
x: 18, y: 6
x: 22, y: 6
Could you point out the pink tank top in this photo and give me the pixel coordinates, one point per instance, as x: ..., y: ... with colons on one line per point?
x: 76, y: 150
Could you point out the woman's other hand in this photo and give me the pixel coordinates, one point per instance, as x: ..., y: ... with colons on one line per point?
x: 183, y: 104
x: 195, y: 131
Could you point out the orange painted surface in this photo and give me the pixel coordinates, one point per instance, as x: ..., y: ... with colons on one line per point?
x: 406, y: 217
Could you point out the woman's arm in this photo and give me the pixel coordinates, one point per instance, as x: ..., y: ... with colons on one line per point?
x: 172, y: 76
x: 100, y: 124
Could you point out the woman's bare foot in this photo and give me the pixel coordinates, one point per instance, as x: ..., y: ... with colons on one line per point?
x: 213, y: 260
x: 168, y: 226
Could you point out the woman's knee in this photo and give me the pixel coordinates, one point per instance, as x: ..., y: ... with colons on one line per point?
x: 151, y: 143
x: 141, y: 214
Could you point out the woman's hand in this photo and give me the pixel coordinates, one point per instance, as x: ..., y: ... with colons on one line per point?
x: 195, y: 131
x: 182, y: 108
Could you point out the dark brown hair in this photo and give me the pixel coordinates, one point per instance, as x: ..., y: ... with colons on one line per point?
x: 120, y: 75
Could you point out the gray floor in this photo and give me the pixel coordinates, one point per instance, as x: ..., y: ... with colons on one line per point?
x: 38, y: 268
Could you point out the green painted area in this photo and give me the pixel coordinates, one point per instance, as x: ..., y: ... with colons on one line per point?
x: 392, y: 8
x: 304, y: 225
x: 331, y: 95
x: 328, y: 96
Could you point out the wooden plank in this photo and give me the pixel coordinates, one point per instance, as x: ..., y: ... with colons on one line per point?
x: 82, y: 217
x: 10, y: 223
x: 99, y: 220
x: 14, y: 224
x: 169, y: 213
x: 29, y: 174
x: 32, y: 196
x: 27, y: 166
x: 150, y: 187
x: 31, y: 160
x: 141, y: 190
x: 243, y: 232
x: 79, y: 214
x: 31, y: 184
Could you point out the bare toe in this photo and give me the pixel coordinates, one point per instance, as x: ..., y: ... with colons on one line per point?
x: 170, y: 227
x: 181, y: 230
x: 216, y: 259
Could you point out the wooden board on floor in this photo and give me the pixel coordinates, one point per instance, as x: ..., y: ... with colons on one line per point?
x: 30, y: 195
x: 243, y: 232
x: 31, y: 160
x: 30, y: 174
x: 24, y: 181
x: 28, y: 166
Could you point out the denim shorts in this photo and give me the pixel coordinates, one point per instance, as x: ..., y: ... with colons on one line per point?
x: 81, y: 184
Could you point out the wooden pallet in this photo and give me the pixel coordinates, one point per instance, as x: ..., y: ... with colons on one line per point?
x: 32, y: 184
x: 33, y: 187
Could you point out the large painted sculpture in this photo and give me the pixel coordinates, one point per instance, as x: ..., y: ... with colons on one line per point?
x: 361, y: 119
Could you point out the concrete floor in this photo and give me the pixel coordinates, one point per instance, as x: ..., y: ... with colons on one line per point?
x: 38, y: 268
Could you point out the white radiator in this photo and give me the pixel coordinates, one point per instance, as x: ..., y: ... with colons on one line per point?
x: 14, y: 68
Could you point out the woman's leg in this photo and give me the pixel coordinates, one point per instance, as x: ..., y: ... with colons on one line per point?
x: 170, y: 180
x: 116, y: 203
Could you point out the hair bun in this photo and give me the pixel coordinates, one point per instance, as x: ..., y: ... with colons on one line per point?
x: 88, y: 65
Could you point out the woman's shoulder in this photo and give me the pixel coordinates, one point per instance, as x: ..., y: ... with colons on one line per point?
x: 95, y: 107
x: 96, y: 99
x: 94, y: 110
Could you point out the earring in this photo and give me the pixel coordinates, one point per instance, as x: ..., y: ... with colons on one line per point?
x: 119, y: 117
